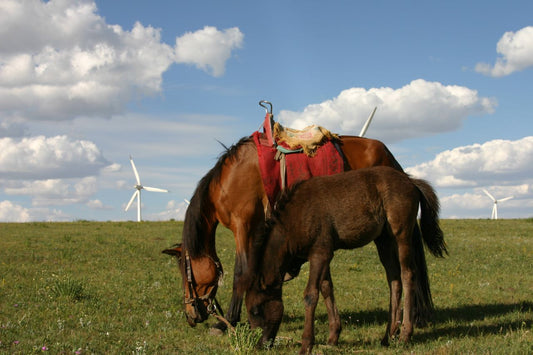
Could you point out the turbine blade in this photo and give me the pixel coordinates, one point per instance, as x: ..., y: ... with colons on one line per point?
x: 505, y: 199
x: 135, y: 171
x: 187, y: 201
x: 367, y: 123
x: 489, y: 195
x: 131, y: 200
x: 154, y: 189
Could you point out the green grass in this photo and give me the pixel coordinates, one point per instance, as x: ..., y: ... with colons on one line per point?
x: 91, y: 287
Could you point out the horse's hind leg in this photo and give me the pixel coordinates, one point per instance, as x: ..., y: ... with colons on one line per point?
x: 388, y: 256
x: 326, y: 288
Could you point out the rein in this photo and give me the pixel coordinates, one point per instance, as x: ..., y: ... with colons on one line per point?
x: 196, y: 301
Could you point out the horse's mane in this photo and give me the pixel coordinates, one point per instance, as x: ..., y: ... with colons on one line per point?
x: 200, y: 208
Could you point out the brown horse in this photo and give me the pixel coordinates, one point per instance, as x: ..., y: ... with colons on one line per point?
x: 232, y: 194
x: 342, y: 211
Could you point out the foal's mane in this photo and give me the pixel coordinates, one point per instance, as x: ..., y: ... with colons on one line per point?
x: 261, y: 239
x: 200, y: 210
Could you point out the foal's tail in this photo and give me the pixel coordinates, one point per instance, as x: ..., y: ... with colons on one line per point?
x: 433, y: 237
x: 429, y: 219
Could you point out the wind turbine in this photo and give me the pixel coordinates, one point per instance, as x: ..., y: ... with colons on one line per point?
x: 137, y: 193
x: 367, y: 123
x: 495, y: 207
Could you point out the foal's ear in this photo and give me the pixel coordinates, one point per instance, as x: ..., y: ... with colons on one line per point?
x: 175, y: 251
x: 262, y: 283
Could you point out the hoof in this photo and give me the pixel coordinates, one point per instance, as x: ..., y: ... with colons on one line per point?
x: 216, y: 332
x: 218, y: 329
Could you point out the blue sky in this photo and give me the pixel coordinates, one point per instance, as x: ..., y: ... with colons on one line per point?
x: 85, y: 84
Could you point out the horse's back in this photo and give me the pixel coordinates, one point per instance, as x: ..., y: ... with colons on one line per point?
x: 361, y: 152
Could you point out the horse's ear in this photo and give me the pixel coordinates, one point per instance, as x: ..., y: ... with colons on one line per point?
x: 175, y: 251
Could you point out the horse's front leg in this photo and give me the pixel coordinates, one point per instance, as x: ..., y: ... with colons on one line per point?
x: 234, y: 311
x: 233, y: 315
x: 326, y: 288
x: 245, y: 227
x: 317, y: 272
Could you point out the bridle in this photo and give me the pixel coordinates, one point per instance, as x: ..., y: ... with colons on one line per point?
x: 196, y: 301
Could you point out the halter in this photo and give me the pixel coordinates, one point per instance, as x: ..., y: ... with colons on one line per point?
x: 197, y: 301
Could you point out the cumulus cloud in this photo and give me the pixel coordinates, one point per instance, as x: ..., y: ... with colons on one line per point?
x: 505, y: 161
x: 10, y: 212
x: 48, y: 158
x: 516, y: 54
x: 60, y: 59
x: 97, y: 205
x: 503, y: 167
x: 208, y: 49
x: 417, y: 109
x: 174, y: 210
x: 475, y: 204
x: 54, y: 191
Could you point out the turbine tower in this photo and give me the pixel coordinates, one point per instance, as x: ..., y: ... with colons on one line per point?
x: 495, y: 205
x: 137, y: 193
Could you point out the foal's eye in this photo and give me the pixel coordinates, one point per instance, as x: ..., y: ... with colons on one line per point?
x: 255, y: 311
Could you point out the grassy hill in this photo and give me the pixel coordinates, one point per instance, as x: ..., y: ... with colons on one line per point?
x: 91, y: 287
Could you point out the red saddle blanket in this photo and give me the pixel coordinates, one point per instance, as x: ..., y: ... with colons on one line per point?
x: 326, y: 161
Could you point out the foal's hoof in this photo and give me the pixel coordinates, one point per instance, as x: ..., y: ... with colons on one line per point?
x: 218, y: 329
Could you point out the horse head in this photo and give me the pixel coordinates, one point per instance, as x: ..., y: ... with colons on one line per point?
x: 265, y: 309
x: 200, y: 276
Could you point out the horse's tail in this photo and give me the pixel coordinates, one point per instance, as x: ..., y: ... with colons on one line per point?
x: 433, y: 237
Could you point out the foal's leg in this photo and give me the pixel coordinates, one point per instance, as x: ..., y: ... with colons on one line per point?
x: 326, y: 288
x: 317, y: 269
x: 387, y: 251
x: 406, y: 263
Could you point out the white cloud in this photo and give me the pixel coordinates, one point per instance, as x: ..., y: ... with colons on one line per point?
x: 97, y: 205
x: 503, y: 167
x: 476, y: 204
x: 46, y: 158
x: 420, y: 108
x: 54, y: 191
x: 208, y: 49
x: 502, y: 161
x: 516, y: 54
x: 10, y: 212
x: 174, y: 210
x: 59, y: 59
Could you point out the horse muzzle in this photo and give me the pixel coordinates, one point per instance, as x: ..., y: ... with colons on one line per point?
x: 196, y: 312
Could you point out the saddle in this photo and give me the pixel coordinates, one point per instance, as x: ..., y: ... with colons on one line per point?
x: 289, y: 140
x: 287, y: 156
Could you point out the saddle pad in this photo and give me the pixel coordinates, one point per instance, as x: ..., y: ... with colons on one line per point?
x: 308, y: 139
x: 326, y: 161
